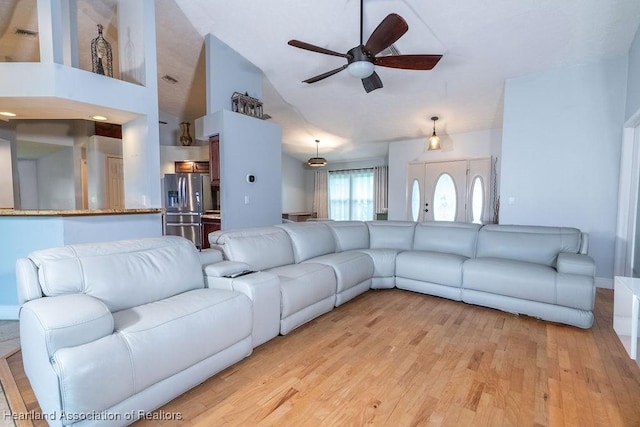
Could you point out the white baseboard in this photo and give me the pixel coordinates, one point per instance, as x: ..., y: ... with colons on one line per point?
x: 9, y: 312
x: 604, y: 282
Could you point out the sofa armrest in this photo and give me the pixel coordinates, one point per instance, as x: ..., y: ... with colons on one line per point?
x: 576, y: 264
x: 584, y: 243
x: 27, y: 281
x: 210, y: 256
x: 263, y: 288
x: 224, y: 268
x: 64, y: 321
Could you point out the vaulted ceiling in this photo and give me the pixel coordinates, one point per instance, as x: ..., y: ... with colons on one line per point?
x: 483, y: 43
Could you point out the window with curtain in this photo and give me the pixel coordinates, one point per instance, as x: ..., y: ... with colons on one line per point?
x: 351, y: 195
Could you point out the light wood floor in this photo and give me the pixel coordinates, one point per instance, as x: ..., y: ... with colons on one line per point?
x: 397, y: 358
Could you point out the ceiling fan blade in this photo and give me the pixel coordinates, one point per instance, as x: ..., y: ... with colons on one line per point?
x: 372, y: 82
x: 325, y: 75
x: 386, y: 33
x: 408, y: 62
x: 314, y: 48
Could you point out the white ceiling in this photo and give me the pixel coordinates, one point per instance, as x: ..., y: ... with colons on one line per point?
x: 484, y: 42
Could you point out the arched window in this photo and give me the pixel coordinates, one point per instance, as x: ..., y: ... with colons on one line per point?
x: 444, y: 199
x: 415, y: 200
x: 477, y: 200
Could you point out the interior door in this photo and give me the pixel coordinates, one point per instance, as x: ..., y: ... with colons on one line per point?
x: 445, y: 191
x: 115, y: 183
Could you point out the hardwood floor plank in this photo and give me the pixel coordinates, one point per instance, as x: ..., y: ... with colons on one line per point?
x: 397, y: 358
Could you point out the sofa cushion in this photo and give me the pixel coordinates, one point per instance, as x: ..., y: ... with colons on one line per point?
x: 537, y: 244
x: 349, y: 235
x: 457, y: 238
x: 351, y: 268
x: 168, y: 336
x: 302, y: 285
x: 391, y: 234
x: 260, y: 247
x: 309, y: 239
x: 510, y: 278
x: 384, y: 261
x: 121, y: 274
x: 433, y: 267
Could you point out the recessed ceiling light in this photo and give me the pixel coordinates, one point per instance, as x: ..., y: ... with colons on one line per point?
x: 7, y: 114
x: 99, y: 118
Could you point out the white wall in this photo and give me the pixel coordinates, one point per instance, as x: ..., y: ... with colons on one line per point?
x: 249, y: 146
x: 468, y: 145
x: 228, y: 72
x: 28, y: 173
x: 56, y: 180
x: 633, y: 82
x: 294, y: 191
x: 562, y: 135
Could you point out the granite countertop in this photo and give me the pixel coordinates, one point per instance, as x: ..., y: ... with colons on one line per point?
x: 211, y: 216
x: 77, y: 212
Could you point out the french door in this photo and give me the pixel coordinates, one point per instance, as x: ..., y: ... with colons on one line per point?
x: 449, y: 191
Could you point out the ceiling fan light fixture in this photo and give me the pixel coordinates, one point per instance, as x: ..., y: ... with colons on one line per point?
x: 361, y: 69
x: 317, y: 162
x: 434, y: 140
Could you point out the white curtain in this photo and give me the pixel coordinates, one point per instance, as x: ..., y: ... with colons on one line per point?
x: 380, y: 188
x: 321, y: 195
x: 351, y: 194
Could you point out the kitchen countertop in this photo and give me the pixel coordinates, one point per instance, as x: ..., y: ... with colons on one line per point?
x: 211, y: 216
x: 77, y: 212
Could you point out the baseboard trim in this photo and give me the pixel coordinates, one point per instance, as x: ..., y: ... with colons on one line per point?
x: 9, y: 312
x: 604, y: 282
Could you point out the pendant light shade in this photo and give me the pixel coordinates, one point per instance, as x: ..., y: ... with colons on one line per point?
x: 434, y: 140
x: 317, y: 162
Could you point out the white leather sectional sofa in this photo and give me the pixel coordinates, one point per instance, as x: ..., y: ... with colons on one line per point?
x: 543, y: 272
x: 112, y: 330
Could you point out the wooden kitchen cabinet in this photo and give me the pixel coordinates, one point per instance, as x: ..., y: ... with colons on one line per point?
x: 214, y: 160
x: 208, y: 226
x: 191, y: 167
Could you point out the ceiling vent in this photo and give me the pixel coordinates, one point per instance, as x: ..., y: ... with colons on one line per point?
x: 26, y: 33
x: 167, y: 78
x: 391, y: 50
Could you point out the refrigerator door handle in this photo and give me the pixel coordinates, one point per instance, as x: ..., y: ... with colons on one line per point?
x: 183, y: 224
x: 179, y: 185
x: 183, y: 190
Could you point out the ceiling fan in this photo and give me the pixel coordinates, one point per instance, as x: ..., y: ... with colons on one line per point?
x: 361, y: 60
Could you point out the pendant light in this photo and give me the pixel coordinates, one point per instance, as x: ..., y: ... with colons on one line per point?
x: 434, y: 140
x: 317, y: 162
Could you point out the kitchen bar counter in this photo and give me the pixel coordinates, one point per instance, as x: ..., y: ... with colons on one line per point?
x: 77, y: 212
x: 24, y: 231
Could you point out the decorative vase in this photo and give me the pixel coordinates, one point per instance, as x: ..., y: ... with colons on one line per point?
x: 185, y: 137
x: 101, y: 56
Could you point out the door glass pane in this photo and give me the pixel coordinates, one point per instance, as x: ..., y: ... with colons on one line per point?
x: 415, y: 200
x: 444, y: 199
x: 477, y: 200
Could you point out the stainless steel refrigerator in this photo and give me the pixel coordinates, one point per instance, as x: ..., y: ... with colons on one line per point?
x: 187, y: 196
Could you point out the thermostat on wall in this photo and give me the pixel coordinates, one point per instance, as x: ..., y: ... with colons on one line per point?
x: 251, y: 178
